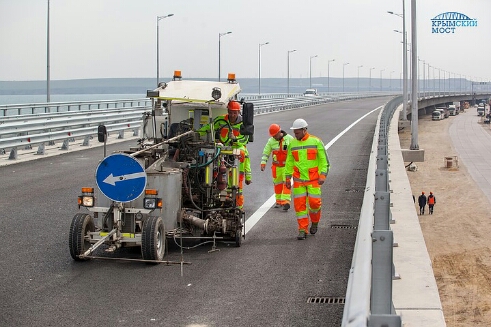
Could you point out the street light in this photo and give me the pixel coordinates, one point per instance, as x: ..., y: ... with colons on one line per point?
x: 358, y: 80
x: 219, y: 51
x: 47, y: 59
x: 328, y: 78
x: 370, y: 79
x: 288, y: 71
x: 390, y: 80
x: 310, y: 71
x: 260, y: 45
x: 414, y: 79
x: 346, y: 63
x: 159, y: 18
x: 381, y: 79
x: 405, y: 97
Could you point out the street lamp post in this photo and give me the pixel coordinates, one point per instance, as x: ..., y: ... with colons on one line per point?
x: 219, y: 51
x: 405, y: 96
x: 260, y: 45
x: 328, y: 78
x: 358, y: 80
x: 310, y: 71
x: 370, y: 79
x: 159, y: 18
x: 414, y: 79
x: 288, y: 71
x: 47, y: 60
x: 381, y: 79
x: 390, y: 80
x: 346, y: 63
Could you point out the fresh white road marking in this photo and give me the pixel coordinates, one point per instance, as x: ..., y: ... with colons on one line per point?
x: 256, y: 216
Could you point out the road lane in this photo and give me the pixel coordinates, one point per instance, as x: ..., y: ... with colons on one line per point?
x: 267, y: 281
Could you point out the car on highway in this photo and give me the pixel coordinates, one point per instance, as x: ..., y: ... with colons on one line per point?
x: 310, y: 92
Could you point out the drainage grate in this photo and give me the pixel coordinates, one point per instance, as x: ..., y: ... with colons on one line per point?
x: 354, y: 190
x: 326, y: 300
x: 343, y: 226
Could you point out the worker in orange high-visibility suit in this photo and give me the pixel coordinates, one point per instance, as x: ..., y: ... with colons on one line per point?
x: 308, y: 164
x: 277, y: 147
x: 221, y: 124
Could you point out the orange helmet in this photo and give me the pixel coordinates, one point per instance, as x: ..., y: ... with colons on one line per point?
x: 431, y: 192
x: 233, y: 105
x: 274, y: 129
x: 422, y: 192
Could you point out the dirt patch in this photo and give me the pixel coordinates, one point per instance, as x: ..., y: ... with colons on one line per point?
x: 458, y: 234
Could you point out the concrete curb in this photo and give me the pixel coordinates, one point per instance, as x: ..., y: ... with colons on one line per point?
x: 415, y: 295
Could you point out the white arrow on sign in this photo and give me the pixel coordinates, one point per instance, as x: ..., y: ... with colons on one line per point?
x: 113, y: 179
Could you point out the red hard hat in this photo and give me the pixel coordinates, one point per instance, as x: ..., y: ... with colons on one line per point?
x: 233, y: 105
x: 422, y: 192
x: 274, y: 129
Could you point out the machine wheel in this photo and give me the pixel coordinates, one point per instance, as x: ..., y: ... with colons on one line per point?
x: 238, y: 238
x: 153, y: 239
x: 82, y: 225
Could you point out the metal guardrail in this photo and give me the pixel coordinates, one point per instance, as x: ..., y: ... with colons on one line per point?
x: 369, y: 291
x: 7, y: 110
x: 65, y: 121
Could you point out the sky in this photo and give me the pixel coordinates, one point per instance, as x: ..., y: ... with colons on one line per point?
x: 118, y: 38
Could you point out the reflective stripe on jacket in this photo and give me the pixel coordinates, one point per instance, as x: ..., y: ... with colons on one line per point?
x: 277, y: 149
x: 431, y: 199
x: 307, y: 159
x: 221, y: 124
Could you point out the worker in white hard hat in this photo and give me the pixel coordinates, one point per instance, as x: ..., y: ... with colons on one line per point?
x: 277, y: 148
x: 308, y: 164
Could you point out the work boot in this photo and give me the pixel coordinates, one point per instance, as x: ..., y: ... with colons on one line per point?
x: 313, y: 228
x: 301, y: 235
x: 286, y: 206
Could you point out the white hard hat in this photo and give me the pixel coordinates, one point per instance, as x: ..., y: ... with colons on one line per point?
x: 299, y: 123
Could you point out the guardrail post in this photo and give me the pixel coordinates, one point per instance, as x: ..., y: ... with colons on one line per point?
x: 382, y: 269
x: 121, y: 135
x: 13, y: 154
x: 65, y: 145
x: 86, y: 140
x: 41, y: 149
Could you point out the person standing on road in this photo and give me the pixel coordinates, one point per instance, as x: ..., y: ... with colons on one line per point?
x: 431, y: 202
x: 277, y: 147
x: 307, y: 162
x: 422, y: 203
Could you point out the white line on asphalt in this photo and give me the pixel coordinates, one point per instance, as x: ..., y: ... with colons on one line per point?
x: 256, y: 216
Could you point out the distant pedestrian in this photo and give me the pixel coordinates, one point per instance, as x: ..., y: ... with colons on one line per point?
x: 422, y: 203
x: 431, y: 202
x: 414, y: 199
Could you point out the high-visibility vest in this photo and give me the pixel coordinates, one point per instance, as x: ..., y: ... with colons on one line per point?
x: 431, y: 199
x: 277, y: 149
x: 307, y: 159
x: 221, y: 125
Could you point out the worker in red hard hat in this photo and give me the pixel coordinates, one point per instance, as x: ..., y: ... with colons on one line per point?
x: 227, y: 128
x: 277, y: 147
x: 307, y: 164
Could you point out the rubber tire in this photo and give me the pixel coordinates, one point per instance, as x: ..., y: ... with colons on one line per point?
x: 238, y: 238
x: 153, y: 239
x: 81, y: 225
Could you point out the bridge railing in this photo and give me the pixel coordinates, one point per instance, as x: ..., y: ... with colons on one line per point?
x: 65, y: 121
x: 369, y: 290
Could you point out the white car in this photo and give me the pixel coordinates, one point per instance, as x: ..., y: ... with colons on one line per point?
x: 310, y: 92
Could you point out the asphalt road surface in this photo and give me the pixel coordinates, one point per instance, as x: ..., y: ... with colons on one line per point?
x: 268, y: 281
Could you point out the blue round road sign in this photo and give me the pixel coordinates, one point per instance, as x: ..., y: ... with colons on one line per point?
x: 121, y: 177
